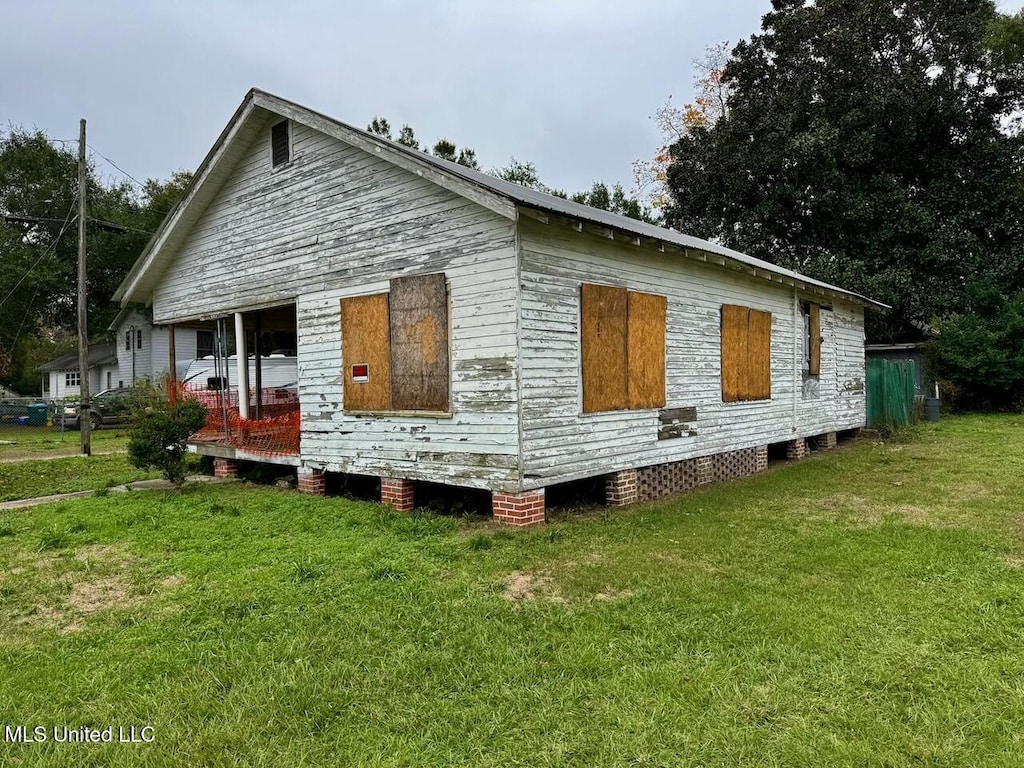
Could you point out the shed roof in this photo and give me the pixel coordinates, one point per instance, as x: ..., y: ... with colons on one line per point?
x: 99, y: 354
x: 501, y: 196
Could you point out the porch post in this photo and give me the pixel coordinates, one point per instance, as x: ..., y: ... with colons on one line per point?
x: 172, y: 378
x: 243, y: 366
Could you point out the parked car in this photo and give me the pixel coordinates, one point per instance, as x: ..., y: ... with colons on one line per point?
x: 111, y: 406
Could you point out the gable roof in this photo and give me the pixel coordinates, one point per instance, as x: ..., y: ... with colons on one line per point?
x: 99, y: 354
x: 502, y: 197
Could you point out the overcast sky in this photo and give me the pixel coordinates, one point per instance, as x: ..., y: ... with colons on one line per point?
x: 568, y: 84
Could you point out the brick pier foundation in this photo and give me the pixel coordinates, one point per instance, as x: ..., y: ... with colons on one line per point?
x: 398, y: 493
x: 796, y: 449
x: 620, y: 488
x: 225, y: 468
x: 313, y: 482
x: 518, y: 509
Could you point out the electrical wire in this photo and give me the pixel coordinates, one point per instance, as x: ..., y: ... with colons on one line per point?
x: 122, y: 170
x: 50, y: 250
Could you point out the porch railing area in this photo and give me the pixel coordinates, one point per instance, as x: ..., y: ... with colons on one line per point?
x: 272, y: 428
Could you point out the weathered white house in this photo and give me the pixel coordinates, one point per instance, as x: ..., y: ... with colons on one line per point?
x: 143, y: 349
x: 455, y: 328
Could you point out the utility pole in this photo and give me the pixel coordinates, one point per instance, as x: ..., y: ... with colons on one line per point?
x: 83, y: 324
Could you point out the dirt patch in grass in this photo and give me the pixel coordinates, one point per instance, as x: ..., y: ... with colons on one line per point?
x: 610, y: 595
x: 63, y: 592
x: 173, y: 581
x: 98, y: 594
x: 523, y: 585
x: 860, y: 511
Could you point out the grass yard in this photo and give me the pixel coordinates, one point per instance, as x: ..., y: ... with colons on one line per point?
x: 28, y: 478
x: 860, y: 608
x: 28, y: 442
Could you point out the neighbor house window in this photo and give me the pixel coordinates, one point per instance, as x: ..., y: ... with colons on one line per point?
x: 746, y: 354
x: 395, y: 347
x: 138, y: 339
x: 204, y: 344
x: 622, y: 348
x: 280, y: 144
x: 127, y: 341
x: 72, y: 379
x: 812, y: 338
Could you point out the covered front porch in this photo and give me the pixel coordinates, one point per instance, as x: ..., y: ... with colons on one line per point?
x: 247, y: 378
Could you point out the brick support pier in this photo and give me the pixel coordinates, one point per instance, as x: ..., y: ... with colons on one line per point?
x: 761, y: 458
x: 621, y: 488
x: 796, y: 449
x: 826, y: 442
x: 518, y: 509
x: 225, y: 468
x: 313, y: 482
x: 398, y: 493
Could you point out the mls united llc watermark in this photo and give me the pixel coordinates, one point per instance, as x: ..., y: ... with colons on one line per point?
x: 83, y: 734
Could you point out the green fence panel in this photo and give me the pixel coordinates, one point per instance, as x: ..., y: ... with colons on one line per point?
x: 890, y: 393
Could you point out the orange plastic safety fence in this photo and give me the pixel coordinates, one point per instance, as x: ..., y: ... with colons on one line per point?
x: 276, y: 431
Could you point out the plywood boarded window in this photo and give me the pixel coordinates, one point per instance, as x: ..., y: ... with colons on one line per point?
x: 746, y: 354
x: 645, y: 348
x: 419, y: 343
x: 623, y: 348
x: 366, y: 341
x: 814, y: 340
x: 395, y: 347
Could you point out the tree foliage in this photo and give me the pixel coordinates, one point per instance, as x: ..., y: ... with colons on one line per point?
x: 525, y: 174
x: 875, y: 145
x: 650, y: 177
x: 39, y: 244
x: 981, y: 353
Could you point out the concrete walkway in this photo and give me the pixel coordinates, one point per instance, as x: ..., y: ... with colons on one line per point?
x: 138, y: 485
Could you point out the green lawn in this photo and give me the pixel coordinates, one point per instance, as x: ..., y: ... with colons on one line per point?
x: 27, y: 442
x: 860, y: 608
x: 28, y: 478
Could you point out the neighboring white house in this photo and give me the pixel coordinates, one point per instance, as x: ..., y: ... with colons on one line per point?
x: 62, y: 378
x: 143, y: 350
x: 456, y: 328
x: 140, y: 352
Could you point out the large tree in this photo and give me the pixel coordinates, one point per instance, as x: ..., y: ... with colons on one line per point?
x: 872, y: 143
x: 39, y: 248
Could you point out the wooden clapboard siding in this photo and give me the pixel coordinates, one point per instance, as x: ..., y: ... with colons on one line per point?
x: 561, y: 443
x: 338, y: 222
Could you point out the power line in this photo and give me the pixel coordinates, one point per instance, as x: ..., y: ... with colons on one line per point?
x: 52, y: 248
x: 122, y: 170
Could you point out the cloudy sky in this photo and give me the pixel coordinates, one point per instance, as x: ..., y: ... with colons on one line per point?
x: 567, y: 84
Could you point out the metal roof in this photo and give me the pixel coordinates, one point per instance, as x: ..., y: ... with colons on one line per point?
x: 197, y: 194
x: 543, y: 201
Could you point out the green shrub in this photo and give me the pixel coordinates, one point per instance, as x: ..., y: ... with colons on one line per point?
x: 158, y: 433
x: 981, y: 354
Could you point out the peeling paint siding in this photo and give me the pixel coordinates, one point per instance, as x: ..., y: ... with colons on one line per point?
x: 332, y: 217
x: 560, y: 443
x: 340, y: 222
x: 477, y: 446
